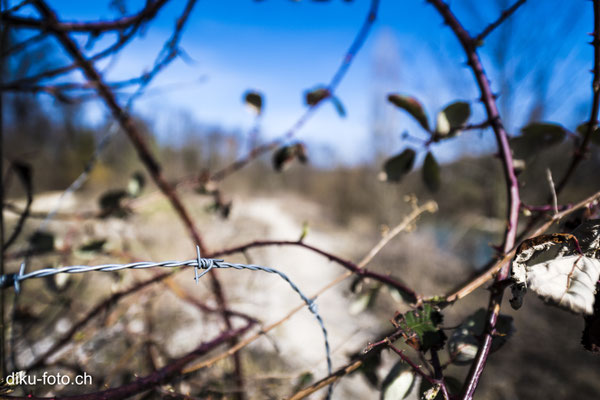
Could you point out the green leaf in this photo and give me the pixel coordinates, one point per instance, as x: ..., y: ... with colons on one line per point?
x: 536, y: 136
x: 41, y: 242
x: 338, y: 106
x: 136, y: 184
x: 464, y: 341
x: 412, y: 106
x: 111, y: 203
x: 286, y: 154
x: 421, y: 324
x: 305, y: 379
x: 282, y: 157
x: 431, y: 173
x: 315, y: 96
x: 399, y: 382
x: 544, y: 133
x: 396, y: 167
x: 254, y: 100
x: 452, y: 118
x: 595, y: 137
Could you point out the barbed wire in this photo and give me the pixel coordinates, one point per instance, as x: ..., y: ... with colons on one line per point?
x: 204, y: 264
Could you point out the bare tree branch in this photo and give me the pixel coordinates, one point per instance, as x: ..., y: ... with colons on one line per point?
x: 146, y: 14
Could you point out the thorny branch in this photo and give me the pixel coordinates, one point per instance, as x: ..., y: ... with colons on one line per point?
x: 349, y: 265
x: 123, y: 39
x: 512, y: 186
x: 143, y: 151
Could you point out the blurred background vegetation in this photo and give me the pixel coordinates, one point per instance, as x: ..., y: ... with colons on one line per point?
x: 538, y: 75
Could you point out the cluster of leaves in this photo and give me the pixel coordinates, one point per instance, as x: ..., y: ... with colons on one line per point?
x: 450, y: 122
x: 422, y: 330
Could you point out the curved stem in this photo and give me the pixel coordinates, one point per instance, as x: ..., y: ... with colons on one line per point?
x: 512, y: 189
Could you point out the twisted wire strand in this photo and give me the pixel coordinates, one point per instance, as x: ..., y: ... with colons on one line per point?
x: 204, y: 264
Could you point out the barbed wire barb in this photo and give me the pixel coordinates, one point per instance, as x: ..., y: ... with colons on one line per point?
x: 206, y: 264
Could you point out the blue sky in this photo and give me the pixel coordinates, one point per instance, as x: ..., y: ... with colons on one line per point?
x: 282, y: 48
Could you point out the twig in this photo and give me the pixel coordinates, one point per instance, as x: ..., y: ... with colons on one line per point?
x: 188, y: 298
x: 123, y: 39
x: 353, y: 365
x: 21, y: 45
x: 112, y: 49
x: 147, y: 13
x: 330, y: 379
x: 430, y: 207
x: 347, y: 369
x: 552, y: 190
x: 166, y: 55
x: 407, y: 360
x: 503, y: 17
